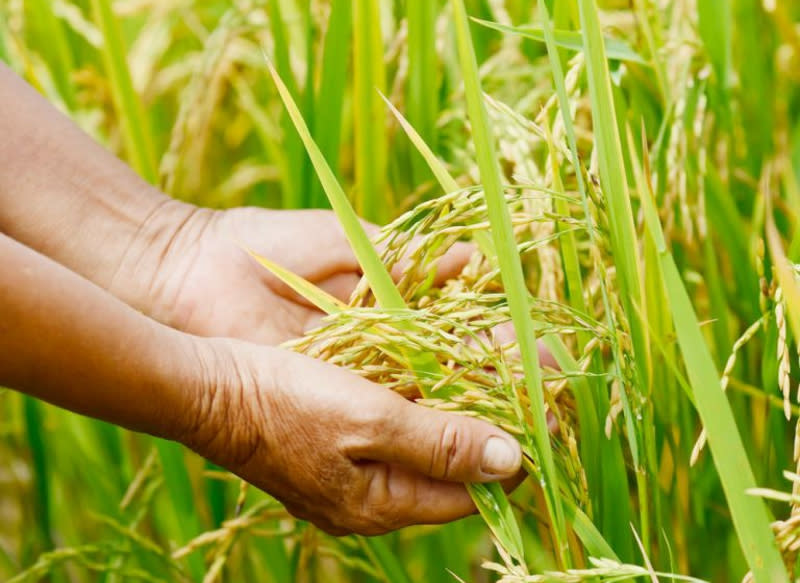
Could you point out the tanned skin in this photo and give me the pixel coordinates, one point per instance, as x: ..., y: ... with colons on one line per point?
x: 123, y: 304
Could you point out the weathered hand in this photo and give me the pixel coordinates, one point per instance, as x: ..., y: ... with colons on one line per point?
x: 344, y: 453
x: 208, y: 285
x: 337, y: 450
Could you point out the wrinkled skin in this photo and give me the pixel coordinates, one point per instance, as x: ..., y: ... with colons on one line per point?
x: 111, y: 283
x: 211, y: 287
x: 337, y: 450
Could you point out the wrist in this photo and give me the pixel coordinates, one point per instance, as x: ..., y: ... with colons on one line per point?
x: 157, y: 258
x: 218, y: 419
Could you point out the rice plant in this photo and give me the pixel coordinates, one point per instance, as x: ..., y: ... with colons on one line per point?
x: 627, y: 177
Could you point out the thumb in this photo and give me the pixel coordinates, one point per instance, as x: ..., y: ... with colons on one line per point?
x: 445, y: 446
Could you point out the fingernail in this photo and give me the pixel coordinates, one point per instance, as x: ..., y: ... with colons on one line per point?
x: 501, y: 457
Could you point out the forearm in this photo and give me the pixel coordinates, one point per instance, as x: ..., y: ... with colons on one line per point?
x: 67, y: 197
x: 65, y: 340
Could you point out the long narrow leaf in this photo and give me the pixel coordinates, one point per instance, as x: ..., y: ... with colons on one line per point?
x: 783, y: 268
x: 371, y: 197
x: 135, y: 126
x: 614, y: 490
x: 179, y: 485
x: 389, y: 298
x: 626, y: 255
x: 295, y: 183
x: 496, y: 511
x: 750, y: 517
x: 332, y: 89
x: 321, y: 299
x: 32, y: 410
x: 446, y: 181
x: 421, y: 103
x: 384, y: 559
x: 380, y: 280
x: 54, y: 47
x: 566, y: 39
x: 511, y: 271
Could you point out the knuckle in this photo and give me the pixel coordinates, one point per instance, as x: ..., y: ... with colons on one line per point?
x: 382, y: 508
x: 376, y: 497
x: 356, y: 447
x: 447, y: 450
x: 358, y: 520
x: 370, y: 421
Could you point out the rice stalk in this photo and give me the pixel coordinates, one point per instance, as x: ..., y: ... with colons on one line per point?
x: 54, y: 46
x: 371, y: 195
x: 713, y: 99
x: 750, y: 517
x: 136, y: 131
x: 422, y: 77
x: 331, y: 94
x: 489, y: 498
x: 511, y: 272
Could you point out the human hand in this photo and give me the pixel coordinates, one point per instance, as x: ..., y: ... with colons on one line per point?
x: 343, y: 453
x: 206, y: 284
x: 340, y: 451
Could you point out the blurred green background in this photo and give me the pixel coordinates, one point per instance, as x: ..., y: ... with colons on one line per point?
x: 180, y: 90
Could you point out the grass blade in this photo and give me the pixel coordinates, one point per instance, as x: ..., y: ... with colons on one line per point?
x: 511, y: 273
x: 446, y: 181
x: 380, y: 280
x: 749, y: 513
x: 625, y: 251
x: 179, y: 485
x: 594, y: 542
x: 610, y: 489
x: 611, y: 160
x: 487, y: 499
x: 332, y: 90
x: 496, y: 511
x: 783, y: 268
x: 384, y: 559
x: 422, y: 104
x: 714, y: 24
x: 371, y: 196
x: 56, y: 51
x: 135, y: 126
x: 295, y: 156
x: 617, y: 49
x: 320, y: 298
x: 386, y: 294
x: 41, y: 468
x: 3, y: 34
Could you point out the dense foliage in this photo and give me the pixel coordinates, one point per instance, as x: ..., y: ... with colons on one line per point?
x: 639, y: 162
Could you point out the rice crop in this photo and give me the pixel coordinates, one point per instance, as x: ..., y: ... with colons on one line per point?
x: 627, y: 174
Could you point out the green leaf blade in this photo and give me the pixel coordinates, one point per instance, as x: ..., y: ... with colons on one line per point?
x: 495, y: 509
x: 617, y: 50
x: 511, y: 271
x: 749, y: 513
x: 381, y: 282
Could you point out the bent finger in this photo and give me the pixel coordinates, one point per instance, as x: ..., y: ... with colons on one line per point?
x: 442, y: 445
x: 397, y: 497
